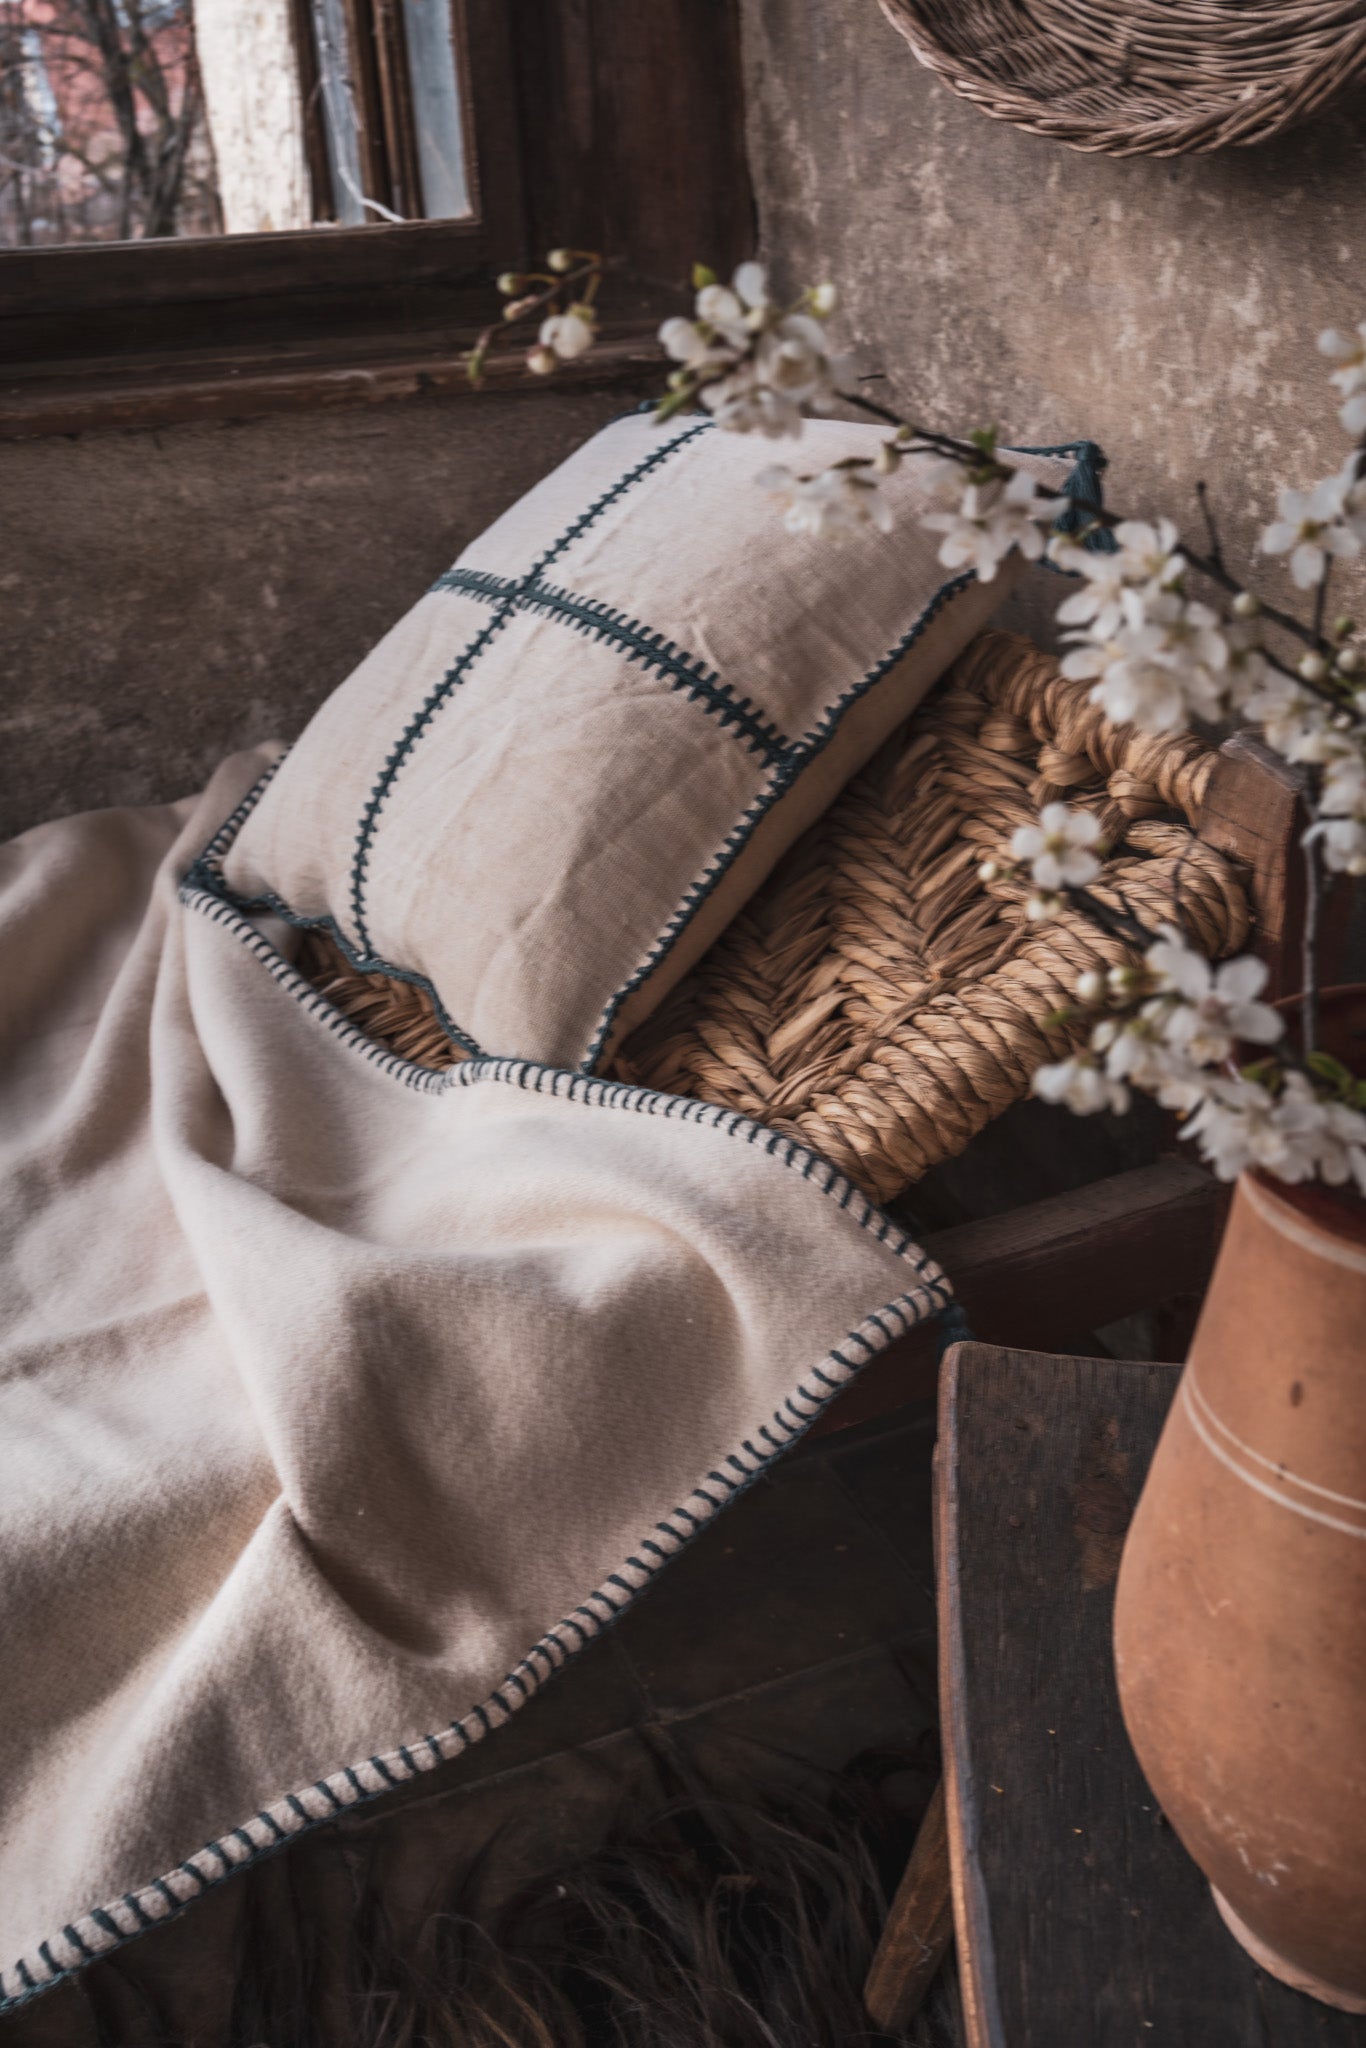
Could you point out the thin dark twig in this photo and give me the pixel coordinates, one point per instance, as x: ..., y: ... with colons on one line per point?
x: 1321, y: 600
x: 1216, y: 552
x: 592, y: 270
x: 1122, y: 922
x: 1313, y: 904
x: 1209, y: 564
x: 943, y: 443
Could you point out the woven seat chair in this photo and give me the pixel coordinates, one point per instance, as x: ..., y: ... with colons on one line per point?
x: 877, y: 1000
x: 1144, y: 77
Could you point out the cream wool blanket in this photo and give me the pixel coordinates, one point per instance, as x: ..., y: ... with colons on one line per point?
x: 340, y: 1402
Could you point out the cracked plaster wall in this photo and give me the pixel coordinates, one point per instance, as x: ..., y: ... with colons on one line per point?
x: 169, y: 595
x: 1167, y: 310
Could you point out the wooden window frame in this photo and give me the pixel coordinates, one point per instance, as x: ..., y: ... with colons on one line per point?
x: 579, y: 115
x: 387, y: 135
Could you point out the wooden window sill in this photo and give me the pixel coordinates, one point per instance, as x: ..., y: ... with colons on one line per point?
x: 77, y: 398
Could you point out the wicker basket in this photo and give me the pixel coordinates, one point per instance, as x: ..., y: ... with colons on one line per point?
x: 1143, y: 77
x: 876, y: 1000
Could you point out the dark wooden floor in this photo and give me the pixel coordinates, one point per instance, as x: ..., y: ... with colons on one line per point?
x: 796, y: 1634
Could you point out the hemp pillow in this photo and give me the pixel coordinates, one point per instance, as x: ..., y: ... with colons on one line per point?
x: 552, y: 784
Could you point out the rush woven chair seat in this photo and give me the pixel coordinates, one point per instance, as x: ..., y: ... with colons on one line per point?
x: 1141, y: 77
x: 877, y: 1000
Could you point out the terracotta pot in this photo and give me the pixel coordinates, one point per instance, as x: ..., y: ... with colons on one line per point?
x: 1240, y: 1615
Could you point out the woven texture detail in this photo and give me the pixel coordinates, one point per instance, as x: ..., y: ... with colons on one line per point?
x: 1144, y: 77
x: 877, y: 1001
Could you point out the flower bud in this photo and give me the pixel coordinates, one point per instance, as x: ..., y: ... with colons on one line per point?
x: 1349, y: 661
x: 988, y: 871
x: 824, y: 299
x: 1246, y: 605
x: 541, y: 360
x: 887, y: 459
x: 1091, y: 986
x: 1343, y: 627
x: 560, y: 260
x: 1312, y: 667
x: 511, y: 282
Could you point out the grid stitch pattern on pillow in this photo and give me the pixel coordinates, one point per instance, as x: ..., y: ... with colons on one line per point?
x: 524, y: 797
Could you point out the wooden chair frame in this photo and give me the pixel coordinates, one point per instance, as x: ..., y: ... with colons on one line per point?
x: 1036, y: 1277
x: 1146, y: 1239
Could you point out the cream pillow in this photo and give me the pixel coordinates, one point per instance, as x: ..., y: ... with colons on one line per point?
x: 552, y: 784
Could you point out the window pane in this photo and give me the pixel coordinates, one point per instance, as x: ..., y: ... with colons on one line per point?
x: 341, y: 116
x: 123, y: 119
x: 436, y: 109
x: 103, y: 134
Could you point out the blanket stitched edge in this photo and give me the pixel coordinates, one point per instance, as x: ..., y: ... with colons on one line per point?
x: 104, y: 1928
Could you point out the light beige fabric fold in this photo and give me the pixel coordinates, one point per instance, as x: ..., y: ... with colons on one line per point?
x: 340, y: 1403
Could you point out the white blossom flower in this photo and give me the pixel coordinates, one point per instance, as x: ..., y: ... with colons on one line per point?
x: 1059, y: 848
x: 1348, y: 351
x: 1293, y: 721
x: 685, y: 341
x: 1081, y: 1085
x: 841, y: 497
x: 566, y: 335
x: 1132, y: 683
x: 1311, y: 529
x: 1149, y: 553
x: 939, y: 477
x: 791, y: 360
x: 1098, y: 602
x: 1145, y: 559
x: 742, y: 405
x: 1193, y: 646
x: 1217, y: 1007
x: 752, y: 366
x: 1135, y: 1049
x: 991, y: 519
x: 1241, y: 1124
x: 1344, y: 780
x: 1247, y: 670
x: 1155, y: 657
x: 1343, y: 841
x: 725, y: 310
x: 1342, y: 1145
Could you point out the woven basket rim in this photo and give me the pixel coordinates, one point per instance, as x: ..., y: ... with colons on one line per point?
x: 1137, y: 77
x: 880, y: 999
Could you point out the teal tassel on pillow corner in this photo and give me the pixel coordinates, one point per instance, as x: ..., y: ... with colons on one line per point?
x: 1084, y: 487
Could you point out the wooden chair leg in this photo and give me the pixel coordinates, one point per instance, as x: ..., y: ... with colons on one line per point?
x: 919, y: 1928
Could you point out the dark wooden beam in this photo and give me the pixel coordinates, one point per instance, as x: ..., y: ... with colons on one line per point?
x: 919, y: 1928
x: 1254, y: 811
x: 1042, y: 1276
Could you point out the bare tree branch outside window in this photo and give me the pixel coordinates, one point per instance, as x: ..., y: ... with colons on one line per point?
x: 102, y: 128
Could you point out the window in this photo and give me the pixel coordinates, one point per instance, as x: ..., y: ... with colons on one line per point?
x: 224, y: 205
x: 384, y: 93
x: 102, y: 129
x: 141, y: 119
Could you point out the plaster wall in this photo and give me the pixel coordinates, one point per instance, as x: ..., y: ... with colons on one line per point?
x: 169, y: 595
x: 1167, y: 309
